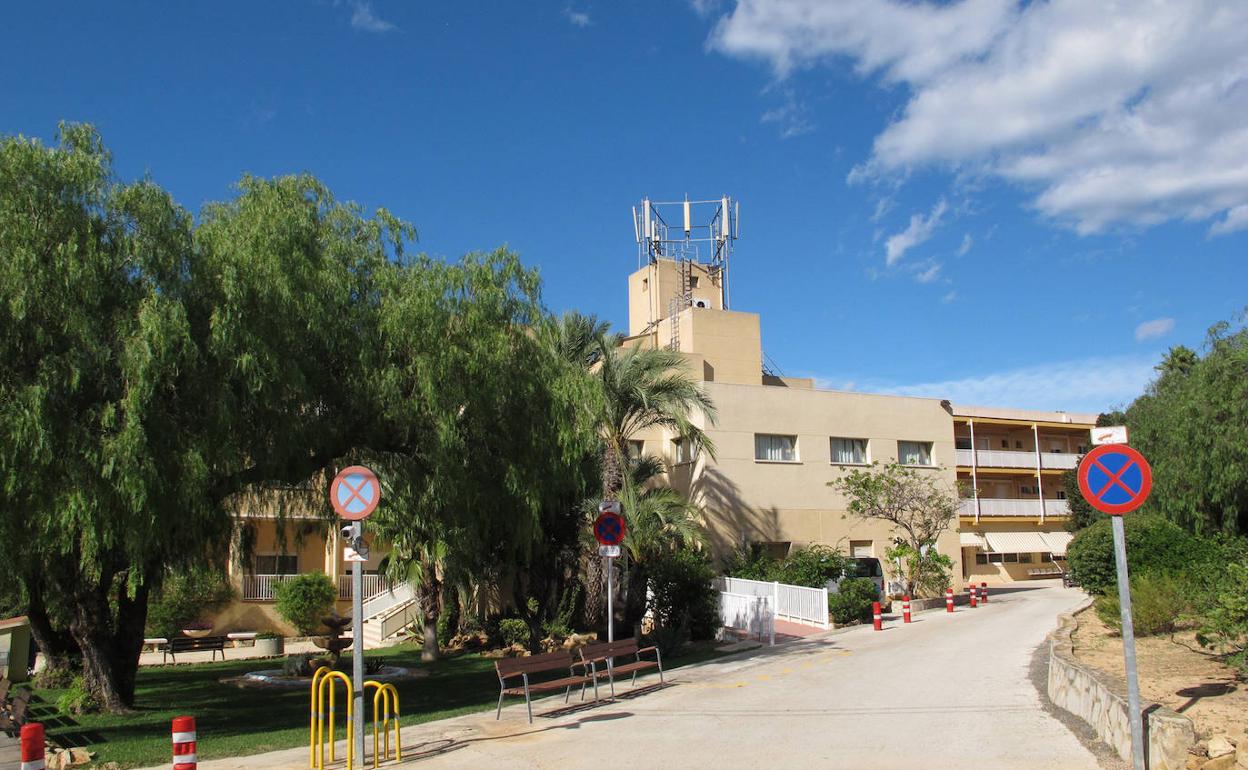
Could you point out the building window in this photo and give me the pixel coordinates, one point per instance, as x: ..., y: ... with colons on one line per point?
x: 962, y: 442
x: 914, y: 452
x: 645, y: 284
x: 774, y: 550
x: 1005, y: 443
x: 776, y: 449
x: 1018, y: 444
x: 996, y: 558
x: 849, y: 451
x: 981, y: 558
x: 693, y: 282
x: 277, y: 564
x: 1011, y: 558
x: 635, y: 448
x: 861, y: 548
x: 1024, y: 558
x: 682, y: 452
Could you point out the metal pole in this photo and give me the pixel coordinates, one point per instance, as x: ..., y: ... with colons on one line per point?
x: 357, y: 642
x: 1128, y: 647
x: 610, y: 567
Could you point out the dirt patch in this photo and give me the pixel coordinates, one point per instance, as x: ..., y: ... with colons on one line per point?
x: 1175, y: 672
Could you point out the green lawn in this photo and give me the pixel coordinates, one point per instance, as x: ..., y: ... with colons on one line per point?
x: 234, y: 721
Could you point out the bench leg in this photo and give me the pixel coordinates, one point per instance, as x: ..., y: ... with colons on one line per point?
x: 528, y: 701
x: 567, y: 693
x: 499, y: 713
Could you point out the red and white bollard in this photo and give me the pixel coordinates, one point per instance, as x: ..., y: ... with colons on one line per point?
x: 983, y: 592
x: 876, y: 618
x: 184, y: 743
x: 905, y: 609
x: 948, y: 600
x: 32, y: 746
x: 972, y: 590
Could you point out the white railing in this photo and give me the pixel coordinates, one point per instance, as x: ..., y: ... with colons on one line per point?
x: 1006, y: 458
x: 261, y: 587
x: 1059, y: 461
x: 387, y: 599
x: 373, y: 585
x: 748, y: 613
x: 397, y: 619
x: 799, y: 604
x: 990, y: 506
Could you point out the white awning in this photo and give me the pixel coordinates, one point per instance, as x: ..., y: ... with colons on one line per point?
x: 973, y: 540
x: 1016, y: 542
x: 1058, y: 541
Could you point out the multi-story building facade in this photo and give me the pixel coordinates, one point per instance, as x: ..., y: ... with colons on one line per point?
x: 1014, y: 515
x: 778, y: 441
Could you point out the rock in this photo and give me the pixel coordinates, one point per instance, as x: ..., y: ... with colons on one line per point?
x: 110, y: 766
x: 1220, y: 746
x: 80, y: 756
x: 1224, y: 762
x: 1194, y: 762
x: 1241, y: 755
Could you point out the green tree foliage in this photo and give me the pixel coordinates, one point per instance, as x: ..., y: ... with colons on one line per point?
x: 155, y: 369
x: 305, y: 600
x: 1155, y: 545
x: 1161, y: 603
x: 1082, y: 514
x: 852, y: 602
x: 185, y: 596
x: 812, y: 566
x: 914, y: 502
x: 1224, y: 623
x: 1192, y: 425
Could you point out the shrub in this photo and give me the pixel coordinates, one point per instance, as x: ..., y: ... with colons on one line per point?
x: 514, y: 631
x: 1154, y: 546
x: 812, y: 566
x: 304, y: 600
x: 1160, y: 604
x: 681, y: 593
x: 1225, y: 622
x: 77, y: 699
x: 852, y: 601
x: 751, y: 563
x: 300, y: 664
x: 185, y: 597
x: 669, y: 639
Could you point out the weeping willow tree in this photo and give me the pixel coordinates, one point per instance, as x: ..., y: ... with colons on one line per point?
x: 153, y: 368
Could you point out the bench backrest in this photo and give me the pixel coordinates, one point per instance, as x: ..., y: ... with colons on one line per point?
x: 561, y: 659
x: 617, y: 649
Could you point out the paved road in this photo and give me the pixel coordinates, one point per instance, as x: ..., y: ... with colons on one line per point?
x: 947, y: 691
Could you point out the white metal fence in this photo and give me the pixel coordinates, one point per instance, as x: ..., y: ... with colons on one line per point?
x: 262, y: 588
x: 748, y: 613
x: 798, y: 604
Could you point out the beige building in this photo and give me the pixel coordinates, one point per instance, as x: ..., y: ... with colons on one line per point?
x: 1011, y: 462
x: 778, y: 440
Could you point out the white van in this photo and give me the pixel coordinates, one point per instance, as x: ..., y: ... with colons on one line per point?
x: 862, y: 567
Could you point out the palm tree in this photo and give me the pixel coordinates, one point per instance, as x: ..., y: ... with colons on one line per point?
x: 638, y: 389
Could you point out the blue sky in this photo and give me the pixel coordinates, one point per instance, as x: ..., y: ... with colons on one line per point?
x: 1000, y: 203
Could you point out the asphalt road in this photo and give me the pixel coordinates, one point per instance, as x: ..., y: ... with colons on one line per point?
x: 946, y: 691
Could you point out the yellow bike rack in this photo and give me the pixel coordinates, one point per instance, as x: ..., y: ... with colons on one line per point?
x: 385, y: 698
x: 322, y: 716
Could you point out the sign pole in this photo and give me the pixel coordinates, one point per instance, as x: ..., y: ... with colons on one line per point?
x: 610, y: 568
x: 357, y: 643
x: 1128, y: 646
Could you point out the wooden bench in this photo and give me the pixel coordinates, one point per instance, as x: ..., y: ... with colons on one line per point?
x: 603, y: 655
x: 511, y: 668
x: 178, y: 644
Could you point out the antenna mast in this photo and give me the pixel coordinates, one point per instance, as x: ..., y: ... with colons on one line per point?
x: 706, y: 234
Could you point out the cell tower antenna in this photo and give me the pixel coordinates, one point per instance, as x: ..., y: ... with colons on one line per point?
x: 706, y: 235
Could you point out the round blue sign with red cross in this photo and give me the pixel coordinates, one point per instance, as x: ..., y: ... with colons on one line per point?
x: 355, y: 492
x: 1115, y: 479
x: 609, y: 528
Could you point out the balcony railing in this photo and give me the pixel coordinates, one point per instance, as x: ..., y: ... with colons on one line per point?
x: 261, y: 588
x: 989, y: 506
x: 1005, y: 458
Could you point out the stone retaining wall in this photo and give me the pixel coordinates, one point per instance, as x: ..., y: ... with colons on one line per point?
x: 1100, y: 699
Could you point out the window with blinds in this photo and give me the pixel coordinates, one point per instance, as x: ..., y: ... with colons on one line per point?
x: 849, y: 451
x: 774, y: 448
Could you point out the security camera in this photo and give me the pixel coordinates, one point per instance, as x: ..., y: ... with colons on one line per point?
x: 350, y: 531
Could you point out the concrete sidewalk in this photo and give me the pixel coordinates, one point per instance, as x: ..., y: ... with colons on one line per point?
x: 947, y: 691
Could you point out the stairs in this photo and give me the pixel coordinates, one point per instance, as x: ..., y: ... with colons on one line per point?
x: 387, y: 615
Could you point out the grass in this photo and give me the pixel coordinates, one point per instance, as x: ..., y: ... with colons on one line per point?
x: 234, y: 721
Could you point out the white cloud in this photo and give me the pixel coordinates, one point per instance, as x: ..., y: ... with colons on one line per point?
x: 930, y: 274
x: 705, y: 7
x: 1113, y: 113
x: 1151, y: 330
x: 918, y: 231
x: 966, y: 245
x: 1085, y: 385
x: 792, y: 117
x: 1235, y: 219
x: 363, y: 18
x: 882, y: 207
x: 578, y: 18
x: 950, y: 297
